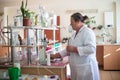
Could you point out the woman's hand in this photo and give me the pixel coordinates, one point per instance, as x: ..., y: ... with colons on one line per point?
x: 57, y: 55
x: 71, y: 49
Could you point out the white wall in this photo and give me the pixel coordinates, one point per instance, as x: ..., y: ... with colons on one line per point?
x: 61, y: 6
x: 118, y: 21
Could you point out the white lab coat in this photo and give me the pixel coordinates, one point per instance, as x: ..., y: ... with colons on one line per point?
x: 83, y: 65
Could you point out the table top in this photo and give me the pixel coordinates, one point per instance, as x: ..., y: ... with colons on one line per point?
x: 56, y: 64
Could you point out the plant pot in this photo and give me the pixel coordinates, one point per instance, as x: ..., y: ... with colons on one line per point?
x: 26, y: 22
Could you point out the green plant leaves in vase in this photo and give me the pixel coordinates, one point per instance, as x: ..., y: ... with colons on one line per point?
x: 25, y: 12
x: 90, y: 20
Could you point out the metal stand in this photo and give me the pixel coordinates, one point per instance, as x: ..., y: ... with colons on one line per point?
x: 28, y: 49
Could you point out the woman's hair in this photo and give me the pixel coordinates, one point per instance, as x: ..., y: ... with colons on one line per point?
x: 78, y: 17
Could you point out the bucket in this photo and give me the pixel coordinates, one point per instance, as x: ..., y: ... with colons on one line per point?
x: 14, y: 73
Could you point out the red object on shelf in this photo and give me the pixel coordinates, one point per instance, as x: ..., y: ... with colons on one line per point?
x: 48, y: 48
x: 58, y: 20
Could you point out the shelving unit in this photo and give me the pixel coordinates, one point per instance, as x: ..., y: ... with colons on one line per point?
x: 28, y: 45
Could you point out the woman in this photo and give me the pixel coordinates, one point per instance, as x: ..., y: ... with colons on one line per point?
x: 82, y: 51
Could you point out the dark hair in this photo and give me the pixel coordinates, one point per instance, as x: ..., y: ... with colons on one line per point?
x: 78, y: 17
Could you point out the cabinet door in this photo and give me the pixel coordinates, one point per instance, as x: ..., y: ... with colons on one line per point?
x: 111, y: 58
x: 99, y: 54
x: 4, y: 51
x: 119, y: 57
x: 49, y: 34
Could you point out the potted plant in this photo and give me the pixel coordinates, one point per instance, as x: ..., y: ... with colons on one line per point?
x: 99, y: 27
x: 25, y: 13
x: 90, y: 20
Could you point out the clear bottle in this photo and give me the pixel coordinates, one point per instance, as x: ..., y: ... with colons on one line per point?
x: 42, y: 55
x: 48, y: 58
x: 17, y: 61
x: 15, y: 21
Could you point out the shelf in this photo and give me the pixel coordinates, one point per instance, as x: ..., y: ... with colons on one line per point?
x: 28, y: 46
x: 52, y: 42
x: 30, y: 27
x: 99, y: 36
x: 5, y: 66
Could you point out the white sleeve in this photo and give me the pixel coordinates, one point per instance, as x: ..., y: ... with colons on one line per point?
x: 89, y: 46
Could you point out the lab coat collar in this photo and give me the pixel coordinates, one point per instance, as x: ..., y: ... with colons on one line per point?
x: 82, y: 28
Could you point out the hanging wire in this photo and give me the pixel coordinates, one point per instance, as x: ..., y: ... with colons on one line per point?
x: 2, y: 32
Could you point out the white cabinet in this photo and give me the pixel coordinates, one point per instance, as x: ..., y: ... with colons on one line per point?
x: 108, y: 19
